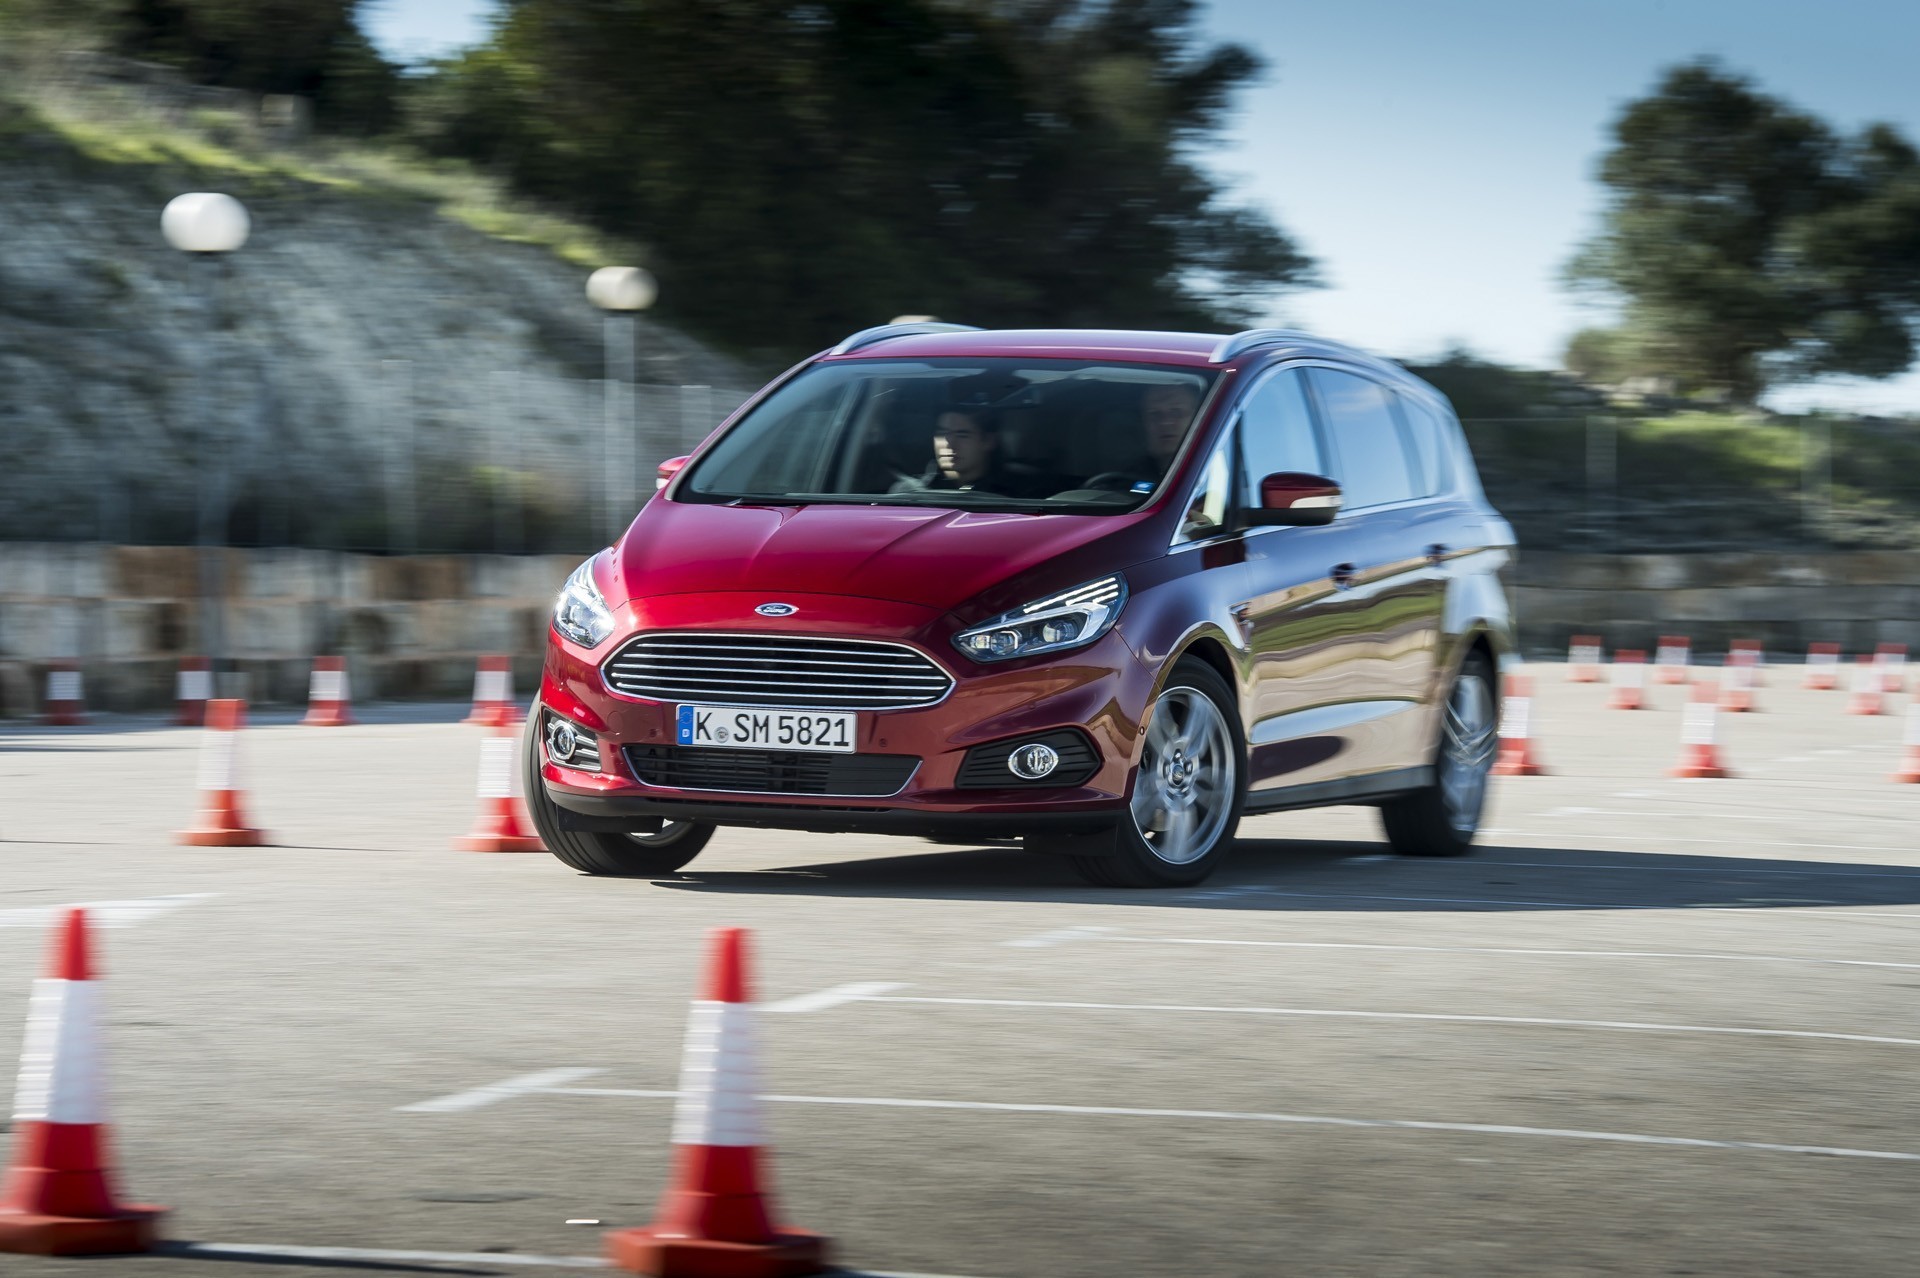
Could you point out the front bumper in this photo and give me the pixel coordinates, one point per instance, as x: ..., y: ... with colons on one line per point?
x: 1101, y: 690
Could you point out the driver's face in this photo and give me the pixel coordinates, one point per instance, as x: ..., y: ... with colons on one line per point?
x: 1165, y: 411
x: 961, y: 447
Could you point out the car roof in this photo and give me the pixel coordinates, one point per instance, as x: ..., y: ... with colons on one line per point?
x: 1194, y: 350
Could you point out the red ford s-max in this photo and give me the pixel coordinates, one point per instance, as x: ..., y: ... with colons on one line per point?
x: 1100, y: 592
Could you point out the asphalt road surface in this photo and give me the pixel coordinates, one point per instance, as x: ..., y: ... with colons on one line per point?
x: 1653, y: 1027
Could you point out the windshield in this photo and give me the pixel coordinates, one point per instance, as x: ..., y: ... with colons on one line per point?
x: 975, y: 434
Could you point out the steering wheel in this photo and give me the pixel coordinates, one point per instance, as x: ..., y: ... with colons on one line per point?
x: 1117, y: 481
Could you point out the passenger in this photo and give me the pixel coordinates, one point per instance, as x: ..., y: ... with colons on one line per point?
x: 966, y: 455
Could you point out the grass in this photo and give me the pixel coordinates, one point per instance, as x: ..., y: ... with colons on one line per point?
x: 115, y: 129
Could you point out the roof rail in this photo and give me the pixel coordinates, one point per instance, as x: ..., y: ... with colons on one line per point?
x: 1241, y: 343
x: 881, y: 332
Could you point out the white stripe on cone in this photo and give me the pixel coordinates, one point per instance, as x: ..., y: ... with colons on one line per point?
x: 327, y: 685
x: 63, y: 685
x: 496, y: 767
x: 1671, y: 655
x: 1697, y: 725
x: 719, y: 1086
x: 194, y: 685
x: 60, y: 1064
x: 1516, y: 718
x: 492, y: 685
x: 1912, y: 737
x: 1629, y: 674
x: 219, y: 760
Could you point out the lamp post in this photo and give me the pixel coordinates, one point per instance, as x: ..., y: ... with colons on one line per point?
x: 207, y: 225
x: 620, y: 292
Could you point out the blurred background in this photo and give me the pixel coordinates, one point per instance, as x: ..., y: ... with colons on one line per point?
x: 1665, y: 259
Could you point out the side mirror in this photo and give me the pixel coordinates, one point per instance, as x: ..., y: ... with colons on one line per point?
x: 668, y: 469
x: 1291, y: 498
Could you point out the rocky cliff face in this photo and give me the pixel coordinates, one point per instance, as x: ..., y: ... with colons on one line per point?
x: 360, y: 335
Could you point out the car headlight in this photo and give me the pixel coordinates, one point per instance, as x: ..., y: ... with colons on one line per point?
x: 1066, y: 620
x: 580, y: 613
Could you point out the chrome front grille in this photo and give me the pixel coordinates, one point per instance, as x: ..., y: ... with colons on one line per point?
x: 778, y: 671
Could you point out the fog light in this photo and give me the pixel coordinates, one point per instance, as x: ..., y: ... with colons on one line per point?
x: 1033, y: 761
x: 562, y: 740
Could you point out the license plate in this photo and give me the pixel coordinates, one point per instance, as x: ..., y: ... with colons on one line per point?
x: 732, y: 728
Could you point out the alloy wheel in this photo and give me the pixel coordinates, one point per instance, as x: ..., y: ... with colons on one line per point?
x: 1184, y: 791
x: 1468, y: 741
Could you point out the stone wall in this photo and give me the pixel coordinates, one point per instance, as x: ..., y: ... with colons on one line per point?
x: 409, y: 627
x: 1854, y: 598
x: 413, y: 626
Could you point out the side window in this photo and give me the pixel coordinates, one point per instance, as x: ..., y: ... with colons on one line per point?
x: 1432, y: 453
x: 1277, y: 433
x: 1207, y: 511
x: 1372, y: 463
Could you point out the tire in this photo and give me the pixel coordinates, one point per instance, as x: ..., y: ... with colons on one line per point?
x: 1187, y: 793
x: 1441, y: 819
x: 645, y: 856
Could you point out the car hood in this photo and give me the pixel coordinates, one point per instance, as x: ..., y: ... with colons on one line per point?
x: 936, y: 558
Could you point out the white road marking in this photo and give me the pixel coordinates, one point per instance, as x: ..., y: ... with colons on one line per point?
x: 1058, y: 937
x: 276, y: 1251
x: 1849, y: 915
x: 1836, y: 872
x: 1312, y: 1120
x: 242, y: 1251
x: 1742, y: 840
x: 1455, y: 1017
x: 820, y: 1000
x: 104, y: 913
x: 481, y: 1097
x: 1478, y: 949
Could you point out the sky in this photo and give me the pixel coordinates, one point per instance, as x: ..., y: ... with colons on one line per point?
x: 1437, y: 159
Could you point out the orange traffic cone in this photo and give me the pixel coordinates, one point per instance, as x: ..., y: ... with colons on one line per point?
x: 1583, y: 659
x: 1909, y: 773
x: 192, y: 689
x: 223, y: 819
x: 1742, y: 674
x: 1517, y: 758
x: 66, y: 705
x: 502, y: 824
x: 329, y: 705
x: 1670, y: 659
x: 1891, y: 660
x: 1699, y: 746
x: 1629, y: 680
x: 1749, y: 653
x: 493, y: 692
x: 1868, y: 687
x: 716, y: 1219
x: 59, y: 1199
x: 1823, y: 667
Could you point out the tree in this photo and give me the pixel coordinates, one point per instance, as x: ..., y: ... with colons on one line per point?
x: 314, y: 48
x: 803, y: 169
x: 1750, y: 244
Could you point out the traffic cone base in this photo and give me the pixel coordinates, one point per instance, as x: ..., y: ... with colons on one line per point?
x: 234, y: 836
x: 131, y: 1229
x: 643, y: 1251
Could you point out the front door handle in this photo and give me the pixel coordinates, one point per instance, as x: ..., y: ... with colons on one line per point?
x: 1435, y: 553
x: 1343, y: 576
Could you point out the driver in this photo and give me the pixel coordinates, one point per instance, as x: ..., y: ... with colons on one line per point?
x: 966, y: 455
x: 1166, y: 410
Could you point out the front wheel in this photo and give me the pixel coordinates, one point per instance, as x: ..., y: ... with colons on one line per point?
x: 1187, y: 791
x: 646, y: 856
x: 1441, y: 819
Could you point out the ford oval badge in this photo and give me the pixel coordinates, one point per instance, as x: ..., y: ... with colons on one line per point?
x: 776, y: 610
